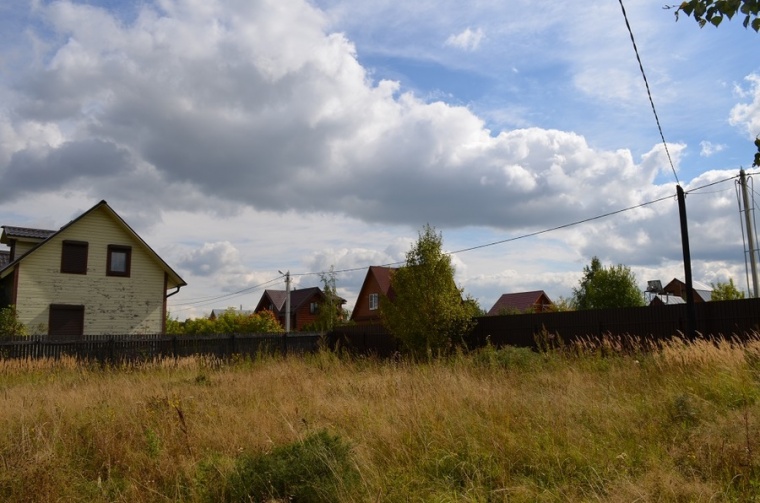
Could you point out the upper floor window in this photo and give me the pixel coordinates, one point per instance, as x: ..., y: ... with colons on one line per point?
x: 74, y: 257
x: 119, y: 260
x: 373, y: 301
x: 313, y: 308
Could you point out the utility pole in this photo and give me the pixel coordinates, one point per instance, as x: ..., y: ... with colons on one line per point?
x: 750, y: 228
x: 287, y: 300
x: 691, y: 314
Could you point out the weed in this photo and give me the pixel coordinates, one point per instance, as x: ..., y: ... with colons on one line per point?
x: 313, y: 470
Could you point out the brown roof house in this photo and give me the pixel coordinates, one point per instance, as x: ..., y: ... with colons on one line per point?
x: 92, y: 276
x: 700, y: 291
x: 376, y: 284
x: 304, y: 305
x: 522, y: 302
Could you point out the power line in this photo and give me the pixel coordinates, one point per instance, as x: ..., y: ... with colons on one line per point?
x: 649, y: 93
x: 477, y: 247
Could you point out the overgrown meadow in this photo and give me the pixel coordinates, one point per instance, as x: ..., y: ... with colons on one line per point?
x: 676, y: 423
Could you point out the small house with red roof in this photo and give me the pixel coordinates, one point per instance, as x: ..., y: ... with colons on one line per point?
x: 304, y: 305
x: 377, y: 284
x: 522, y: 302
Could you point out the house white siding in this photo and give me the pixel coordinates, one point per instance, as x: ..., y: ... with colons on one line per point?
x: 112, y: 304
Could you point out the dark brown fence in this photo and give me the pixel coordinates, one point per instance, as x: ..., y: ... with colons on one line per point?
x: 728, y: 318
x: 117, y: 348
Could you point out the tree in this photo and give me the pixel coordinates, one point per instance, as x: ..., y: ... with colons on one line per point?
x: 715, y: 11
x: 331, y: 313
x: 607, y: 287
x: 9, y: 324
x: 726, y: 291
x: 428, y: 313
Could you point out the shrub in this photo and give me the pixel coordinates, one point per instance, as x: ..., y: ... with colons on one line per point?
x: 315, y: 469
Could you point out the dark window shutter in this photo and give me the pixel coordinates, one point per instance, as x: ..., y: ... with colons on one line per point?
x: 66, y: 321
x: 74, y: 257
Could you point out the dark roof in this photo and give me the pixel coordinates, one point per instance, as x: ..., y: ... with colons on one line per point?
x: 297, y: 297
x: 11, y: 232
x: 521, y: 301
x: 382, y: 276
x: 5, y: 258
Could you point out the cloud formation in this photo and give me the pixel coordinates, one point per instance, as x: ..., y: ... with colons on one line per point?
x: 468, y: 40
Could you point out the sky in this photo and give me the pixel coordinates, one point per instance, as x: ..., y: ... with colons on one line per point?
x: 245, y: 138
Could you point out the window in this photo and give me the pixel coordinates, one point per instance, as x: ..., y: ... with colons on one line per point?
x: 74, y: 257
x: 119, y: 260
x: 373, y: 301
x: 313, y: 308
x: 66, y: 321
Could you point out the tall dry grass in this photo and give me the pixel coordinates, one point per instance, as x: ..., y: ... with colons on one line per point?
x: 679, y: 423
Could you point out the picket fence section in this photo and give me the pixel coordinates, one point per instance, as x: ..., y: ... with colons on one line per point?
x: 132, y: 347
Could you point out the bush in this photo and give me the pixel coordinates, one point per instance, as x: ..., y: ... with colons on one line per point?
x: 312, y: 470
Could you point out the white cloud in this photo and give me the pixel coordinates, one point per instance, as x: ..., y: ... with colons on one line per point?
x: 243, y: 138
x: 746, y: 116
x: 708, y: 149
x: 468, y: 40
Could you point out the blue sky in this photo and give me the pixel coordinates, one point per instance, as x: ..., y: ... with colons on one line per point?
x: 240, y: 138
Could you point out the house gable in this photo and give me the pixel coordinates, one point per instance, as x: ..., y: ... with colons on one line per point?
x: 132, y: 301
x: 521, y: 302
x: 377, y: 284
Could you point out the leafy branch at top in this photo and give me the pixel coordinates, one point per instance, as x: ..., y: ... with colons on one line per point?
x: 714, y: 11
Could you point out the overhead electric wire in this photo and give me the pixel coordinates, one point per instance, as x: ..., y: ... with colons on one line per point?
x: 477, y: 247
x: 649, y: 93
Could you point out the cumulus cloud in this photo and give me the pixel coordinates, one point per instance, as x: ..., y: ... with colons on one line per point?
x: 708, y: 148
x: 746, y: 116
x: 468, y: 40
x: 212, y: 258
x: 224, y: 105
x: 224, y: 108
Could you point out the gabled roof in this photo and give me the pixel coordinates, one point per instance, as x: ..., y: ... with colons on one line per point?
x: 382, y: 275
x: 298, y: 297
x: 24, y: 233
x: 666, y: 299
x: 520, y: 301
x: 704, y: 291
x: 176, y: 279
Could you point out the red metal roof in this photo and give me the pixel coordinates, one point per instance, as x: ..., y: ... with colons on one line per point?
x: 517, y: 302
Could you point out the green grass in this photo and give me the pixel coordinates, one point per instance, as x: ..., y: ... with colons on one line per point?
x: 679, y: 423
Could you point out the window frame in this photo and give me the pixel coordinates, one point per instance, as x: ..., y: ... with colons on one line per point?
x: 374, y: 301
x: 313, y: 307
x: 127, y: 250
x: 72, y: 261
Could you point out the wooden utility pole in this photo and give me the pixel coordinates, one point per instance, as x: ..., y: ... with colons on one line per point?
x: 691, y: 316
x: 750, y: 234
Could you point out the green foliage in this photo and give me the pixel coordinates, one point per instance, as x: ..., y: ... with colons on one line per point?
x: 316, y: 469
x: 331, y: 313
x: 173, y: 325
x: 428, y: 313
x: 726, y: 291
x: 561, y: 305
x: 9, y: 324
x: 607, y: 287
x: 232, y: 322
x: 715, y: 11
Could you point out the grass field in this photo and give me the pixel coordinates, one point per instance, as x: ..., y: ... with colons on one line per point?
x: 681, y: 423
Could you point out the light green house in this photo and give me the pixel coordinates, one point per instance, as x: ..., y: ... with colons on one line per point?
x: 93, y: 276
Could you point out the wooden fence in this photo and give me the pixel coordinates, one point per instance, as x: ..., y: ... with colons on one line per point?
x: 730, y: 318
x: 739, y: 318
x: 118, y: 348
